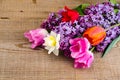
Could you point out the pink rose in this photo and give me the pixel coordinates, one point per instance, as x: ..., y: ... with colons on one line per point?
x: 36, y: 36
x: 80, y: 52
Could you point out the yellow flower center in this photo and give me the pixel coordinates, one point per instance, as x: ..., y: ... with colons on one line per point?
x: 52, y: 41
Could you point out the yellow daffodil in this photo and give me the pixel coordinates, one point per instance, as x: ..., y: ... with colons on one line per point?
x: 52, y: 43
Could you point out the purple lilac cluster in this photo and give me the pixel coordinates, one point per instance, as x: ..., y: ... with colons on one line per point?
x: 110, y: 36
x: 103, y: 8
x: 118, y: 16
x: 102, y: 14
x: 52, y: 21
x: 67, y: 31
x: 97, y: 15
x: 107, y: 19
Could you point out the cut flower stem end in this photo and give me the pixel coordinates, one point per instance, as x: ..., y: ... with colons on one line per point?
x: 92, y: 49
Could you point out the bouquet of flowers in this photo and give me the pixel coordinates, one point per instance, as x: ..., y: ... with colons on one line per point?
x: 78, y: 32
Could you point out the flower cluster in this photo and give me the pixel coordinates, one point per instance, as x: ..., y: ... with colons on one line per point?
x: 83, y: 57
x: 76, y: 35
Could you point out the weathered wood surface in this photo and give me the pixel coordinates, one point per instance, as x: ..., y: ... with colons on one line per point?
x: 19, y: 62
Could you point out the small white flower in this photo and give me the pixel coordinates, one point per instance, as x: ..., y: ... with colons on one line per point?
x: 52, y: 43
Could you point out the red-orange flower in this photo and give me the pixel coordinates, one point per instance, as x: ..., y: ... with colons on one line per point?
x: 69, y: 15
x: 95, y: 35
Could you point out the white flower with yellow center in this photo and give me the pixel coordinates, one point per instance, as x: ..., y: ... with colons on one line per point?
x: 52, y: 43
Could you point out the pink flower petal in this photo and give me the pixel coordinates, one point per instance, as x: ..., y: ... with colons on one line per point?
x: 79, y: 46
x: 75, y: 48
x: 90, y: 60
x: 85, y: 44
x: 36, y: 36
x: 74, y: 41
x: 76, y: 51
x: 84, y: 61
x: 28, y: 36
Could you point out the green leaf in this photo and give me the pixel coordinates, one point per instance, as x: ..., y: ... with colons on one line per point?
x: 113, y: 1
x: 81, y: 8
x: 116, y: 11
x: 111, y: 45
x: 84, y: 6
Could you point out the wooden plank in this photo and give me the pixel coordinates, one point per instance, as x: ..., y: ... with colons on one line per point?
x: 19, y: 62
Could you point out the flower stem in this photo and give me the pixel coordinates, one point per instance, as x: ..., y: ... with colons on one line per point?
x: 92, y: 48
x: 112, y: 26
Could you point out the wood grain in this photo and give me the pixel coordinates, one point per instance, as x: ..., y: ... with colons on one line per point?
x: 19, y: 62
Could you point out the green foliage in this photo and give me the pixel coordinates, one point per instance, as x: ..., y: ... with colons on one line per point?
x: 111, y: 45
x: 113, y: 1
x: 81, y: 8
x: 116, y: 11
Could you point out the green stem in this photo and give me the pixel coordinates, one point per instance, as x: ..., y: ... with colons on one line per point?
x: 112, y: 26
x: 92, y: 48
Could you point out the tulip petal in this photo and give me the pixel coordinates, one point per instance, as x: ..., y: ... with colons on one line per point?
x: 36, y: 36
x: 75, y: 48
x: 84, y: 61
x: 28, y: 36
x: 95, y: 35
x: 85, y: 44
x: 69, y: 15
x: 74, y: 41
x: 80, y: 45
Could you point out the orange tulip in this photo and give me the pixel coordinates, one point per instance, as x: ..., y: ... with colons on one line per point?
x: 95, y: 35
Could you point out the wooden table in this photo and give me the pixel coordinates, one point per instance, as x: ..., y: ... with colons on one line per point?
x: 19, y: 62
